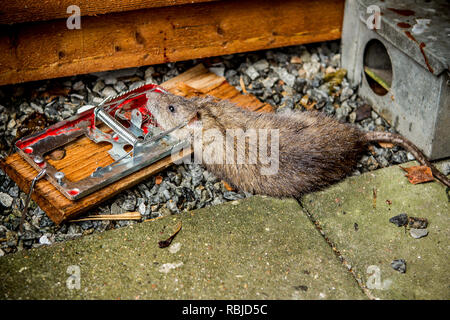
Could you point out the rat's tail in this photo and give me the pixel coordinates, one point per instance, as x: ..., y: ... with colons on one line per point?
x: 380, y: 136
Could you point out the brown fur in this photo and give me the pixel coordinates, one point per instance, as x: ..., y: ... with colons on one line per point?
x: 314, y: 150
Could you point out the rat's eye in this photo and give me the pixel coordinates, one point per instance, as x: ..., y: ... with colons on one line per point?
x: 171, y: 108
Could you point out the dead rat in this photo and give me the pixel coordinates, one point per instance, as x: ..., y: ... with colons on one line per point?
x: 312, y: 150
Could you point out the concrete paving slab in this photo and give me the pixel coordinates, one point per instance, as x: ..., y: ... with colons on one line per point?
x: 360, y: 229
x: 257, y: 248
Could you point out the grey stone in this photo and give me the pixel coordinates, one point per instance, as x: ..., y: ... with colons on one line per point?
x: 230, y: 73
x: 329, y: 109
x: 399, y: 220
x: 45, y: 240
x: 230, y: 195
x: 281, y: 57
x: 343, y: 111
x: 25, y: 108
x: 172, y: 206
x: 97, y: 100
x: 261, y: 65
x: 149, y: 72
x: 399, y: 157
x: 346, y: 93
x: 74, y: 98
x: 305, y: 56
x: 45, y: 222
x: 252, y: 73
x: 399, y: 265
x: 311, y: 68
x: 142, y: 208
x: 410, y: 157
x: 98, y: 87
x: 110, y: 80
x: 379, y: 121
x: 219, y: 71
x: 336, y: 60
x: 284, y: 75
x: 269, y: 82
x: 14, y: 191
x: 77, y: 86
x: 108, y: 91
x: 120, y: 86
x: 129, y: 204
x: 36, y: 107
x: 382, y: 161
x: 11, y: 124
x: 116, y: 209
x: 418, y: 233
x: 5, y: 200
x: 374, y: 115
x: 315, y: 57
x: 446, y: 168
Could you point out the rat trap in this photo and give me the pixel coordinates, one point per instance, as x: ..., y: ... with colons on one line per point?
x: 121, y: 123
x: 106, y: 150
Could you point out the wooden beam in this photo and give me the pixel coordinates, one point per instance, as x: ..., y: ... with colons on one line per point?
x: 47, y: 49
x: 199, y: 81
x: 19, y: 11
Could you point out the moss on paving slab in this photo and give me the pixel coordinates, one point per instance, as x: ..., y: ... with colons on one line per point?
x: 369, y: 242
x: 257, y: 248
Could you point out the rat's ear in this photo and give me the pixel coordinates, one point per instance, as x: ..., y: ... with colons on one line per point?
x: 196, y: 120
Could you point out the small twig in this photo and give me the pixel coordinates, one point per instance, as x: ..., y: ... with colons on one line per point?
x: 241, y: 82
x: 154, y: 219
x: 166, y: 243
x: 374, y: 200
x: 122, y: 216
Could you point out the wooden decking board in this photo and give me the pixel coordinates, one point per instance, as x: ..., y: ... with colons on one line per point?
x: 76, y: 165
x: 19, y: 11
x: 39, y: 50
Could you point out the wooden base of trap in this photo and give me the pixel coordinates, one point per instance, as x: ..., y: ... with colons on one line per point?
x: 196, y: 81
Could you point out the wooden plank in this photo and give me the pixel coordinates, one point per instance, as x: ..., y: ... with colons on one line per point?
x: 19, y: 11
x: 58, y: 207
x: 47, y: 49
x: 76, y: 166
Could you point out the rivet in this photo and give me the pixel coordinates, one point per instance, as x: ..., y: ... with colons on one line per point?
x: 59, y: 176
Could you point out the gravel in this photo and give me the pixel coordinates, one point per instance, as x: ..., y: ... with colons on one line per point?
x: 288, y: 78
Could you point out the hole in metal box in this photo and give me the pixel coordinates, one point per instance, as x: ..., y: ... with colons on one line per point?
x: 377, y: 67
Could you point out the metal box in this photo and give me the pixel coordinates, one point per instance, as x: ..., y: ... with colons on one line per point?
x: 399, y: 56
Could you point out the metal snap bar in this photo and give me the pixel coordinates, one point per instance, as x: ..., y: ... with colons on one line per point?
x: 27, y: 201
x: 99, y: 171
